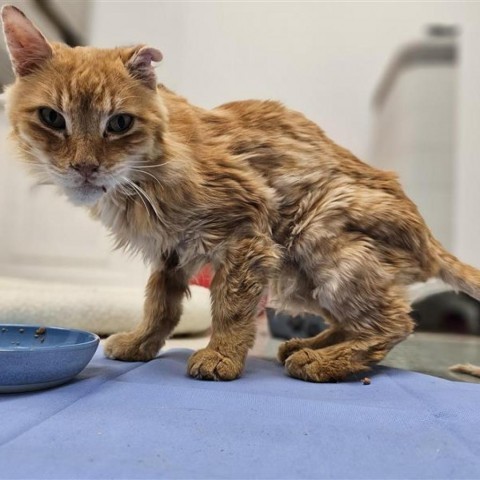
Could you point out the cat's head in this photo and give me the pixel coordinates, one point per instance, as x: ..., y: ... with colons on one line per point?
x: 83, y: 118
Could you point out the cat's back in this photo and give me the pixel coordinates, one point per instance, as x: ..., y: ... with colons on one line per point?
x: 280, y: 141
x: 273, y: 139
x: 254, y: 112
x: 271, y: 118
x: 285, y: 148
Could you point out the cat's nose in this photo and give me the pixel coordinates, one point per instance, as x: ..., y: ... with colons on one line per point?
x: 85, y: 169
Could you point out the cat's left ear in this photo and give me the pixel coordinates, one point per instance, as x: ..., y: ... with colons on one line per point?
x: 27, y: 46
x: 140, y: 65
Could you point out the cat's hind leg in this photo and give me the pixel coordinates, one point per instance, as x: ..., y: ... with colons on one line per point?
x: 371, y: 336
x: 351, y: 279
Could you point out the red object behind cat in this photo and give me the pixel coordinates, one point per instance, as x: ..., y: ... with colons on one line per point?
x: 204, y: 278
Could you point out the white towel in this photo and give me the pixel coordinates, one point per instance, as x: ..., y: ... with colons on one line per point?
x: 100, y: 309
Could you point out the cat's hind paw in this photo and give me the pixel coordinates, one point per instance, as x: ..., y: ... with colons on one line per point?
x: 311, y: 366
x: 289, y: 348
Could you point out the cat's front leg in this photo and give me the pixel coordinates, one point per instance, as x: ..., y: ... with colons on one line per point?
x: 162, y: 311
x: 236, y: 290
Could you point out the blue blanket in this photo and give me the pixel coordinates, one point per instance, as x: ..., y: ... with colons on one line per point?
x: 132, y: 420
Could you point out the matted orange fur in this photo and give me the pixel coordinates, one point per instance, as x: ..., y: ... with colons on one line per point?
x: 252, y: 187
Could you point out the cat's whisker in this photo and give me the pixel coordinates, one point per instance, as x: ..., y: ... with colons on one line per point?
x: 58, y: 171
x: 51, y: 170
x: 141, y: 161
x: 56, y: 174
x: 28, y: 161
x: 124, y: 190
x: 147, y: 198
x: 41, y: 183
x: 144, y: 194
x: 143, y: 201
x: 150, y: 166
x: 128, y: 193
x: 149, y: 174
x: 39, y: 170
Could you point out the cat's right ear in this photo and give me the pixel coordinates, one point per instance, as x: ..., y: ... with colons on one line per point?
x: 140, y: 66
x: 27, y: 46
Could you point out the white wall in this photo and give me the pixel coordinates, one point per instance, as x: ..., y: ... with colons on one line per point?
x: 324, y: 59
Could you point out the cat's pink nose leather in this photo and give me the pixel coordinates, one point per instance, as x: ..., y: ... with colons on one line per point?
x: 85, y: 169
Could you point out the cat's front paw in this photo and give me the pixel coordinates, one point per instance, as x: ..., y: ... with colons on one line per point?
x: 208, y: 364
x: 129, y: 347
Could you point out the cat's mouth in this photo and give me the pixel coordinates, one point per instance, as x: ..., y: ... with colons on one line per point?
x: 85, y: 194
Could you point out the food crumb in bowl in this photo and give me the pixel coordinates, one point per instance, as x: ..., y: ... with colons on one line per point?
x: 4, y: 330
x: 366, y: 381
x: 21, y: 330
x: 40, y: 331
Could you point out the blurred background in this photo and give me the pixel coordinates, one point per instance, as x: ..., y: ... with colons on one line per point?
x: 397, y: 83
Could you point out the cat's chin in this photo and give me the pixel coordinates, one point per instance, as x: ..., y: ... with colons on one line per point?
x: 84, y: 195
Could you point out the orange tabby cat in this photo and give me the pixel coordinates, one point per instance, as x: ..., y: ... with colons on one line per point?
x: 252, y: 187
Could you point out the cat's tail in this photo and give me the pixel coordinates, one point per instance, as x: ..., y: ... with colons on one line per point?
x: 459, y: 275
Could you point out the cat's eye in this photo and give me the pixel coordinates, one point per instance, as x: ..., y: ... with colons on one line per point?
x: 51, y: 118
x: 120, y: 123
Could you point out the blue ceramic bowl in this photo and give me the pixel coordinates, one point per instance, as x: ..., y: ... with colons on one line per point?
x: 34, y: 357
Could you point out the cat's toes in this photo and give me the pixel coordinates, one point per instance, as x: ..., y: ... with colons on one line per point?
x: 208, y: 364
x: 308, y: 364
x: 128, y: 347
x: 288, y: 348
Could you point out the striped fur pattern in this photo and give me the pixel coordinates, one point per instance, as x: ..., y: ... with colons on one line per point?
x: 255, y: 189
